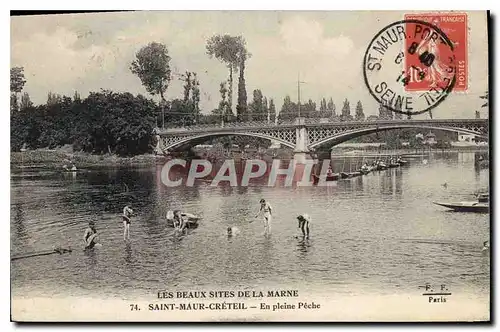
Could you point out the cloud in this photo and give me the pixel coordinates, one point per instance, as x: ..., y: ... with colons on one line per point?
x: 306, y: 37
x: 52, y: 62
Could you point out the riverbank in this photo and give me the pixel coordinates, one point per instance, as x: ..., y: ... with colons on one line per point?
x: 57, y: 158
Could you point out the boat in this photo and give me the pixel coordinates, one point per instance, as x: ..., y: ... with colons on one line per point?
x: 401, y: 161
x: 481, y: 205
x: 191, y: 219
x: 329, y: 177
x: 365, y: 169
x: 344, y: 175
x: 393, y: 165
x: 380, y: 166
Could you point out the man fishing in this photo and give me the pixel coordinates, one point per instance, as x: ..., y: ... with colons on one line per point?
x: 304, y: 221
x: 180, y: 223
x: 90, y: 237
x: 127, y: 214
x: 266, y: 210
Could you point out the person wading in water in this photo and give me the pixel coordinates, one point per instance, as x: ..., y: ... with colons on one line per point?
x: 304, y: 221
x: 90, y: 236
x: 266, y: 210
x: 127, y: 214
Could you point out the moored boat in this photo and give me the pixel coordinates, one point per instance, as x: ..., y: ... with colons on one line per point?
x: 481, y: 205
x: 466, y: 206
x: 329, y: 177
x: 344, y: 175
x: 381, y: 166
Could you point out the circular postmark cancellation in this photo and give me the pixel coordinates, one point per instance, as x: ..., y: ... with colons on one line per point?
x: 409, y: 67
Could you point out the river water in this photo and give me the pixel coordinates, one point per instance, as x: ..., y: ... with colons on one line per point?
x: 377, y: 233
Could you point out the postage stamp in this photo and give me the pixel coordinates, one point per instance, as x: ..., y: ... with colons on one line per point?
x: 454, y: 26
x: 430, y: 56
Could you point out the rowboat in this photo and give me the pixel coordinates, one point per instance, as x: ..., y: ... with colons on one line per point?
x: 345, y: 175
x: 331, y: 177
x: 481, y: 205
x: 393, y: 164
x: 466, y: 206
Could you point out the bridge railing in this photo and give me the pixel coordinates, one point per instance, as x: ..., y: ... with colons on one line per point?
x: 305, y: 121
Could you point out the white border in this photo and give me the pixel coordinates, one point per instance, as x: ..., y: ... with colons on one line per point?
x: 493, y: 5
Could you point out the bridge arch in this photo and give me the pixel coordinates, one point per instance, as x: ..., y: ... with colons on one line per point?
x: 350, y: 134
x: 202, y: 137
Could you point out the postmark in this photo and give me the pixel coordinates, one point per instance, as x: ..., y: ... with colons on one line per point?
x: 454, y: 25
x: 387, y: 77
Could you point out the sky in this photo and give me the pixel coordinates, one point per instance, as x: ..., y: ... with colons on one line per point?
x: 86, y: 52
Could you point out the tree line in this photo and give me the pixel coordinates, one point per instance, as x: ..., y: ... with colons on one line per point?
x: 123, y: 124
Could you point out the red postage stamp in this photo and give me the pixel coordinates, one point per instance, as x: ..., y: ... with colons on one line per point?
x: 426, y: 68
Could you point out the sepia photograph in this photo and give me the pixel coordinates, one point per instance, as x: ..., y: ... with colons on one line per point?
x: 250, y: 166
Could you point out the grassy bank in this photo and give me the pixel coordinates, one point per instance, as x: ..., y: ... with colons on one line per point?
x: 57, y: 158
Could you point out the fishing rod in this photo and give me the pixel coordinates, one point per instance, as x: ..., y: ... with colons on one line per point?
x: 42, y: 253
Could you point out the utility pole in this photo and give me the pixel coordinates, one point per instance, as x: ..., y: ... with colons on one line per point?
x: 298, y: 91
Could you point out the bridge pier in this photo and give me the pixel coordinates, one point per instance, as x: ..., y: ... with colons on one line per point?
x: 301, y: 142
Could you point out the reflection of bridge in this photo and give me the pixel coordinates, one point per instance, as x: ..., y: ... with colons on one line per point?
x: 304, y: 134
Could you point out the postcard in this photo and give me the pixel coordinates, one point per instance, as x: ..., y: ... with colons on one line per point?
x: 250, y: 166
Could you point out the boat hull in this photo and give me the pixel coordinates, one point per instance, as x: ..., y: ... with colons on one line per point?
x: 466, y: 206
x: 333, y: 177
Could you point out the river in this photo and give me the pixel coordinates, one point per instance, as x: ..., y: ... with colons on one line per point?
x: 379, y: 233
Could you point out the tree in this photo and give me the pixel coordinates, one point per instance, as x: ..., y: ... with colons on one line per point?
x: 272, y: 110
x: 232, y: 52
x: 76, y: 97
x: 346, y: 111
x: 308, y: 110
x: 187, y: 85
x: 398, y: 115
x: 242, y: 107
x: 331, y: 107
x: 384, y: 112
x: 17, y: 82
x: 152, y: 66
x: 360, y: 116
x: 288, y: 109
x: 322, y: 105
x: 195, y: 94
x: 25, y: 101
x: 17, y: 79
x: 223, y: 110
x: 14, y: 105
x: 53, y: 98
x: 257, y: 108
